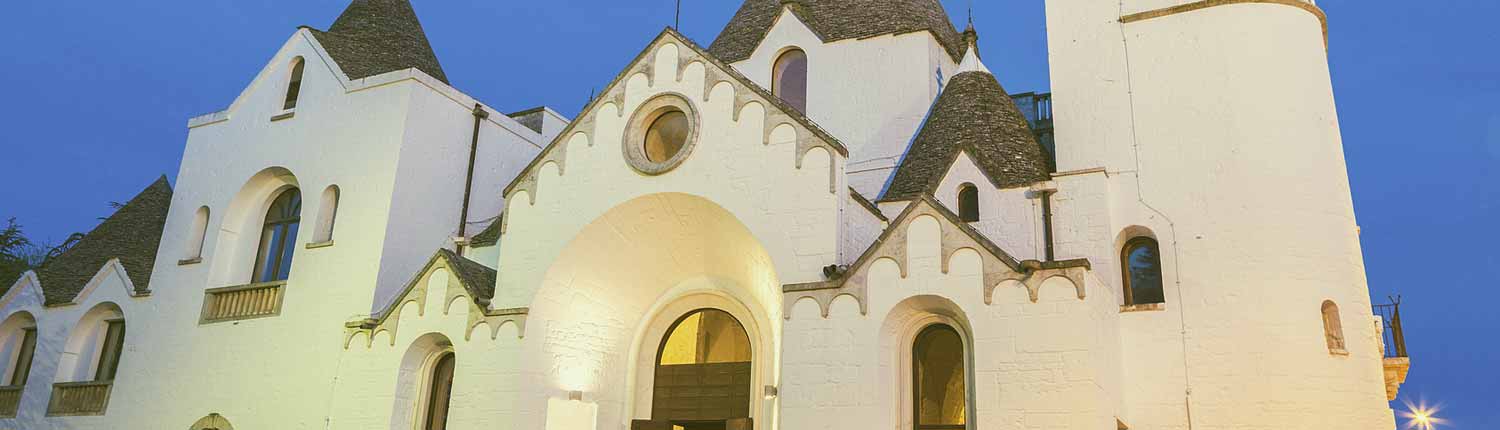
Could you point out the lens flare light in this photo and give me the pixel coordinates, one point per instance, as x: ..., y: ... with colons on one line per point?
x: 1421, y: 416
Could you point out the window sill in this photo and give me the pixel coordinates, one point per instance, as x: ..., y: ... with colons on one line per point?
x: 284, y: 115
x: 1148, y: 307
x: 189, y: 261
x: 317, y: 245
x: 1340, y: 352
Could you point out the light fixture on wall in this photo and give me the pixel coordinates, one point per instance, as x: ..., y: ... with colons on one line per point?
x: 772, y: 392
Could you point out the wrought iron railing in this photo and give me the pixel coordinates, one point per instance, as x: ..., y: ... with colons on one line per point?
x: 1394, y: 338
x: 10, y: 401
x: 79, y: 398
x: 242, y: 302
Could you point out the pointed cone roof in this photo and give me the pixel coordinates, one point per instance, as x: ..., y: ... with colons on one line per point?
x: 131, y: 234
x: 975, y: 115
x: 373, y: 37
x: 834, y: 20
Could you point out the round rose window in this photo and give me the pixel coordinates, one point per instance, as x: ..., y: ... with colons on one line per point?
x: 661, y: 134
x: 666, y: 136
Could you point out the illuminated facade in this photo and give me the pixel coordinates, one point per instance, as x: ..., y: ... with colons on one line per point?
x: 832, y: 217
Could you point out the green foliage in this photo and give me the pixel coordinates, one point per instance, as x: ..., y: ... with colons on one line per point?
x: 16, y: 254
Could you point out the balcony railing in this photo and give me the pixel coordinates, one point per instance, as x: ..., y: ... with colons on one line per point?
x: 79, y: 398
x: 1394, y: 338
x: 242, y: 302
x: 10, y: 401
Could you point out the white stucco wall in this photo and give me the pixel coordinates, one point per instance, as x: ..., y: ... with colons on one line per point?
x: 1235, y: 164
x: 1008, y: 217
x: 892, y: 80
x: 1235, y: 168
x: 604, y: 250
x: 1045, y: 364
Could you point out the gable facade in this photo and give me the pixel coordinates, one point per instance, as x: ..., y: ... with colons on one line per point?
x: 461, y: 266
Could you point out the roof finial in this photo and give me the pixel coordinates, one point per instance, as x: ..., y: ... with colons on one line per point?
x: 971, y: 36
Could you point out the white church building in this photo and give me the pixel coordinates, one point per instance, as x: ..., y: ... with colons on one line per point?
x: 831, y: 217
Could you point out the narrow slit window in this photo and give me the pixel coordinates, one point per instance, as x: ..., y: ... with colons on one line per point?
x: 1333, y: 328
x: 1141, y: 261
x: 968, y: 203
x: 199, y: 233
x: 294, y: 85
x: 789, y: 79
x: 328, y: 212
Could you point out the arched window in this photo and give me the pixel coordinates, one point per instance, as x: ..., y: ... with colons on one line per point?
x: 940, y: 389
x: 968, y: 203
x: 703, y: 371
x: 294, y: 85
x: 1141, y: 261
x: 88, y: 363
x: 439, y: 391
x: 1333, y: 328
x: 789, y: 78
x: 19, y: 346
x: 198, y: 234
x: 328, y: 211
x: 278, y: 237
x: 212, y: 422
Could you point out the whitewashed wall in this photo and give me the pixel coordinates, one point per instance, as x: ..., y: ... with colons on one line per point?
x: 1007, y: 217
x: 1217, y: 133
x: 604, y: 252
x: 1044, y: 364
x: 892, y: 80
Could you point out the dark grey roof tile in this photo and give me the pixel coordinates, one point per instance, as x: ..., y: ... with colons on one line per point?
x: 834, y: 20
x: 131, y: 234
x: 373, y: 37
x: 972, y: 115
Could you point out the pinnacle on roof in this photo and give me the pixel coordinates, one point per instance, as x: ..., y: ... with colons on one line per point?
x: 973, y: 115
x: 834, y: 20
x: 971, y: 62
x: 373, y: 37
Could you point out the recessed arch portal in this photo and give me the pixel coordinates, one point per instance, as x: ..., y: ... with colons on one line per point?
x: 633, y: 272
x: 703, y: 371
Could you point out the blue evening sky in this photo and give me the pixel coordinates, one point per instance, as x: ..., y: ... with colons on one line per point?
x: 99, y: 92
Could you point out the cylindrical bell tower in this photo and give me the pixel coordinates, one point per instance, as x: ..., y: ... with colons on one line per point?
x: 1216, y: 125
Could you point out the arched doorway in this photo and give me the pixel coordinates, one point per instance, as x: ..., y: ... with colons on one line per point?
x: 939, y: 395
x: 703, y: 374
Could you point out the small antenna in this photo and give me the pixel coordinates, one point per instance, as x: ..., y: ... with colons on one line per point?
x: 677, y: 22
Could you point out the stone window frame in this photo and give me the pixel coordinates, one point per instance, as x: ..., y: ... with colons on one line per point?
x: 1129, y: 290
x: 906, y: 367
x: 634, y: 147
x: 961, y: 205
x: 425, y: 397
x: 432, y: 347
x: 777, y: 72
x: 1333, y: 329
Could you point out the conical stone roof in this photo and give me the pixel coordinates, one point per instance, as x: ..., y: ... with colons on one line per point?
x: 373, y: 37
x: 132, y: 234
x: 834, y: 20
x: 975, y: 115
